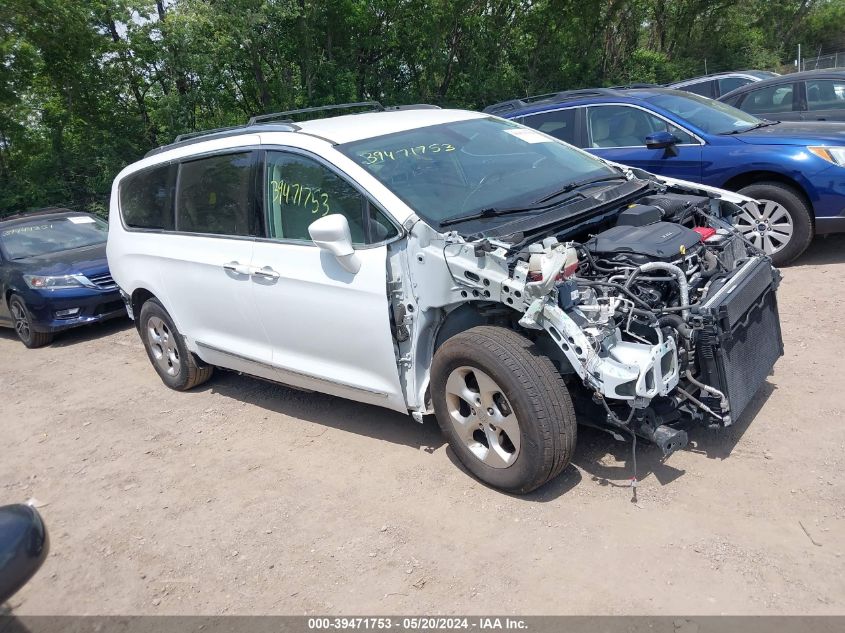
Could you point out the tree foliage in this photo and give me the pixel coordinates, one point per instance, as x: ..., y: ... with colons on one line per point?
x: 87, y: 86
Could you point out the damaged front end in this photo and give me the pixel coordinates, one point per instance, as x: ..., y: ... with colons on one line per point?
x: 659, y: 315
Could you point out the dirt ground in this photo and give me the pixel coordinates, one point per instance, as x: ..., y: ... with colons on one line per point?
x: 246, y: 497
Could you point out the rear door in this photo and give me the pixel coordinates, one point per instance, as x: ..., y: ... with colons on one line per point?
x: 206, y: 269
x: 778, y: 102
x: 564, y: 124
x: 825, y: 100
x: 329, y: 329
x: 618, y: 133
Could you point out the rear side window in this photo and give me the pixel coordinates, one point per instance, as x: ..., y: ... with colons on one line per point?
x: 826, y: 94
x: 726, y: 84
x: 703, y: 88
x: 146, y: 198
x: 769, y: 99
x: 560, y: 124
x: 215, y: 195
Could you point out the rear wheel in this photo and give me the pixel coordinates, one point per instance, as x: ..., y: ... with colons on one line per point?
x: 23, y: 325
x: 503, y: 407
x: 167, y: 351
x: 781, y: 224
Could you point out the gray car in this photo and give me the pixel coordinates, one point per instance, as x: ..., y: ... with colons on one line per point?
x: 814, y: 95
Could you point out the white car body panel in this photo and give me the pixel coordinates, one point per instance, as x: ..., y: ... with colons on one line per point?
x: 317, y: 326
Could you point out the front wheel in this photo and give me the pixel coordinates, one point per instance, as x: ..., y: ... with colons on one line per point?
x: 23, y: 325
x: 781, y: 224
x: 167, y: 351
x: 503, y: 408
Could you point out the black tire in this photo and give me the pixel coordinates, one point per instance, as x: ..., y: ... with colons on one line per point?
x: 799, y: 212
x: 532, y: 388
x: 23, y: 325
x: 181, y: 372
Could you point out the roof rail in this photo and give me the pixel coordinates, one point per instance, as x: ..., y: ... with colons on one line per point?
x: 552, y: 97
x: 23, y: 215
x: 276, y: 122
x: 286, y: 116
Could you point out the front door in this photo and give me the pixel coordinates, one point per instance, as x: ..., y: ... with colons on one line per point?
x: 618, y: 132
x: 329, y: 329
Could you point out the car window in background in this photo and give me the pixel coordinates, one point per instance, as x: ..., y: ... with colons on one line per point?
x: 460, y: 168
x: 625, y: 126
x: 300, y: 190
x: 703, y: 88
x: 214, y: 195
x: 769, y: 99
x: 726, y: 84
x: 825, y: 94
x: 559, y: 123
x: 42, y: 236
x: 711, y: 116
x: 146, y: 198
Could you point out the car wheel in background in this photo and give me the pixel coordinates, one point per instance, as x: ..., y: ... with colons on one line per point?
x: 166, y: 348
x: 781, y: 225
x: 503, y: 407
x: 23, y: 325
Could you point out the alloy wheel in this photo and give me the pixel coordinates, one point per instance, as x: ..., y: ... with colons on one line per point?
x: 163, y: 346
x: 482, y: 417
x: 767, y: 225
x: 22, y: 326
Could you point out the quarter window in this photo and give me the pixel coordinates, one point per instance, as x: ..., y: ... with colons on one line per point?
x: 300, y: 190
x: 769, y: 99
x: 146, y: 198
x: 215, y: 195
x: 622, y: 126
x: 825, y: 94
x: 560, y: 124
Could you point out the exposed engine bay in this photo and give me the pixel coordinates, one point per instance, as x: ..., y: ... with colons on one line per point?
x: 659, y: 315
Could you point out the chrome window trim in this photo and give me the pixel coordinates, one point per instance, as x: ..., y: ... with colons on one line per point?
x: 693, y: 82
x: 700, y: 140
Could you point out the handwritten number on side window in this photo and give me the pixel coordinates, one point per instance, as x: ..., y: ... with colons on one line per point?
x: 299, y: 195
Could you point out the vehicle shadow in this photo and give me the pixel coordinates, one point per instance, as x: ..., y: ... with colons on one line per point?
x: 82, y: 334
x: 328, y: 411
x: 605, y: 459
x: 829, y: 249
x: 609, y: 461
x: 91, y: 332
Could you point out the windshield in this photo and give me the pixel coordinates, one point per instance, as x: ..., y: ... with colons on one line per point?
x: 41, y: 236
x: 461, y: 168
x: 713, y: 117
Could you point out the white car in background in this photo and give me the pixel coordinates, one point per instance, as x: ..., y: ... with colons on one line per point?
x: 447, y: 262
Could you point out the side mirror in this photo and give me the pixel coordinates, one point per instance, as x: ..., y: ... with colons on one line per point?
x: 23, y: 547
x: 331, y: 233
x: 661, y: 140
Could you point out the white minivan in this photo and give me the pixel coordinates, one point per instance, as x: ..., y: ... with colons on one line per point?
x: 447, y: 262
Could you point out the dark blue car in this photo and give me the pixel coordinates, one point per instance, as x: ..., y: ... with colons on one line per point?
x: 796, y: 170
x: 54, y: 274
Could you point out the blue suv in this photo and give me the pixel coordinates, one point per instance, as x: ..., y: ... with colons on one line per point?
x: 795, y: 170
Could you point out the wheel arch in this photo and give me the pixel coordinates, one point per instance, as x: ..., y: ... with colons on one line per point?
x: 739, y: 181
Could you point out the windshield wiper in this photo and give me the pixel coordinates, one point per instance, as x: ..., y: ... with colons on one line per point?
x: 489, y: 212
x: 542, y: 204
x: 572, y: 186
x: 756, y: 126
